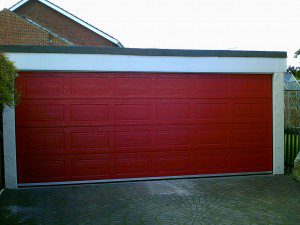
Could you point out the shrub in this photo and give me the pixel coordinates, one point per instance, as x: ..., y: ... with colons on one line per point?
x: 8, y: 73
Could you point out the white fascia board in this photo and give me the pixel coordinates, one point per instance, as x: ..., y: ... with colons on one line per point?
x: 129, y: 63
x: 72, y: 17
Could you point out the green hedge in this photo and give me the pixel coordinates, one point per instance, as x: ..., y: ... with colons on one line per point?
x: 8, y: 73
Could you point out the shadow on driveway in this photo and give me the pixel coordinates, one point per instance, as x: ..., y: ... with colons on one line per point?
x: 264, y: 199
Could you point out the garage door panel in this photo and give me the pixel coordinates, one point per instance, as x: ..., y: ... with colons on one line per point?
x: 212, y: 136
x: 134, y: 112
x: 134, y: 86
x: 251, y: 150
x: 93, y: 87
x: 212, y: 111
x: 254, y: 110
x: 134, y: 138
x: 43, y: 169
x: 86, y: 141
x: 93, y: 126
x: 137, y: 138
x: 40, y: 141
x: 133, y: 165
x: 40, y: 113
x: 251, y: 162
x: 90, y: 112
x: 252, y: 135
x: 212, y: 86
x: 95, y: 165
x: 175, y: 86
x: 208, y: 163
x: 173, y: 164
x: 251, y: 86
x: 175, y: 111
x: 174, y: 138
x: 41, y: 86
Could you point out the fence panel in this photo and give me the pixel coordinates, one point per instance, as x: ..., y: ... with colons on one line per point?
x: 291, y: 146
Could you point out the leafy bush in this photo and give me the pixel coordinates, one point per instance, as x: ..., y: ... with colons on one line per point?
x: 8, y: 73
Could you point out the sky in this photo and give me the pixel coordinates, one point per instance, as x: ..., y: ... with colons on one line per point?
x: 272, y: 25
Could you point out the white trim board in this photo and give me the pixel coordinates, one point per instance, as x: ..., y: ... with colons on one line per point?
x: 133, y: 63
x: 146, y: 179
x: 72, y: 17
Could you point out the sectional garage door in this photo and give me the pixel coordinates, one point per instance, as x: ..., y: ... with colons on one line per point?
x: 93, y: 126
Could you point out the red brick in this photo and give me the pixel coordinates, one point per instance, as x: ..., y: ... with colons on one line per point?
x: 61, y: 25
x: 15, y: 30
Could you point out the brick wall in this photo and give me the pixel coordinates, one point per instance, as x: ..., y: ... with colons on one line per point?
x: 14, y: 30
x: 61, y: 25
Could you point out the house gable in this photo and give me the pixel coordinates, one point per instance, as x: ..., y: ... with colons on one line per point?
x: 16, y: 30
x: 64, y: 24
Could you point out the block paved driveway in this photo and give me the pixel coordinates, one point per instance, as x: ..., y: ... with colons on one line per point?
x: 264, y: 199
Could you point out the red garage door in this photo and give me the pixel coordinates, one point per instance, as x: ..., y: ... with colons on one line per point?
x: 92, y: 126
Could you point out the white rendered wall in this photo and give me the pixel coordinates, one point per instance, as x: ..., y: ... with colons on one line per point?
x: 9, y: 139
x: 278, y: 123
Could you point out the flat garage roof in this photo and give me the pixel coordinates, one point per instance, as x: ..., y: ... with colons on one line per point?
x: 141, y: 51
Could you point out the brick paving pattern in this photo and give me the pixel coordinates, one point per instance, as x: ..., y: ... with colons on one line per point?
x: 228, y: 200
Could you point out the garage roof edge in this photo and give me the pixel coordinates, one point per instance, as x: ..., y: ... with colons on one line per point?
x: 140, y: 51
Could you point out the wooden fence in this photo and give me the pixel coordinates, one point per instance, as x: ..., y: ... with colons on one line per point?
x: 291, y: 146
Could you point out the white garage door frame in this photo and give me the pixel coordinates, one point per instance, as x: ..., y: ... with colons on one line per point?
x: 72, y: 59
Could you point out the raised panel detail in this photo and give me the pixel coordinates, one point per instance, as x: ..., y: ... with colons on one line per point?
x: 211, y: 85
x: 90, y: 166
x: 175, y: 164
x: 38, y: 141
x: 173, y: 84
x: 249, y: 111
x: 173, y: 111
x: 45, y: 169
x: 210, y: 162
x: 133, y: 165
x: 248, y: 85
x: 212, y: 137
x: 91, y: 113
x: 132, y: 112
x: 250, y: 162
x: 132, y: 138
x: 91, y: 85
x: 173, y: 138
x: 89, y: 140
x: 43, y: 84
x: 251, y: 136
x: 212, y: 111
x: 44, y: 113
x: 139, y: 86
